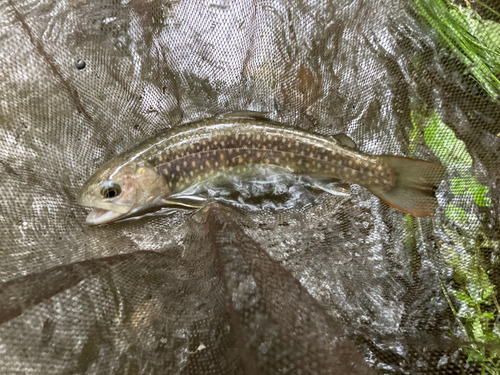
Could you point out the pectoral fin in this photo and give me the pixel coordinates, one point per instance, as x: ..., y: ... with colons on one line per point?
x: 184, y: 201
x: 345, y: 140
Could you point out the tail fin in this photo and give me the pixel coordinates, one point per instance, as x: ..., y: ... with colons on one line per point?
x: 415, y: 186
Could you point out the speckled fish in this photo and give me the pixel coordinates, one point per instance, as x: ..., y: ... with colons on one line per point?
x: 156, y: 171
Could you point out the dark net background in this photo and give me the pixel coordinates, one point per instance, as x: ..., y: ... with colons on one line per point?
x: 346, y: 285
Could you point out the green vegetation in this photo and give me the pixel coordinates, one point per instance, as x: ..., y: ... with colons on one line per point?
x: 474, y: 41
x: 463, y: 246
x: 453, y: 154
x: 479, y: 309
x: 475, y: 307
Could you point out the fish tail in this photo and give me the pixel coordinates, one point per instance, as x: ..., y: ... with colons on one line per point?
x: 415, y: 185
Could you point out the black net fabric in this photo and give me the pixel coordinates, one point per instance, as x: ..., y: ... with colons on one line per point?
x: 346, y: 285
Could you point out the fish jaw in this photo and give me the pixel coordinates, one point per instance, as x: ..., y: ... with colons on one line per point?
x: 101, y: 216
x: 104, y: 212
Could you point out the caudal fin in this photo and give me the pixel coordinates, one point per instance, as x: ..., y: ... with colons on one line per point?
x: 415, y: 186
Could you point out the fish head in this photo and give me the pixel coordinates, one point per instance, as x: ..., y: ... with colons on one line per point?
x: 117, y: 190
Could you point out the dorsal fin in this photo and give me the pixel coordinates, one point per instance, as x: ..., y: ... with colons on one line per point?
x: 345, y: 140
x: 261, y: 116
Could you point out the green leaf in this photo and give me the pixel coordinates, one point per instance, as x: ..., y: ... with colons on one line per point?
x: 444, y: 144
x: 458, y: 186
x: 456, y: 214
x: 469, y: 185
x: 488, y: 291
x: 480, y: 196
x: 477, y: 330
x: 462, y: 296
x: 487, y: 316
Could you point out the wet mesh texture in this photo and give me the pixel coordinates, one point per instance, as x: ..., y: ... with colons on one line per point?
x: 345, y: 285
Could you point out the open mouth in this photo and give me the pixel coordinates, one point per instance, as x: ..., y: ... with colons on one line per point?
x: 101, y: 216
x: 103, y: 212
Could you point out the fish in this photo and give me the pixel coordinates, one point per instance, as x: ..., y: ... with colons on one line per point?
x: 157, y: 171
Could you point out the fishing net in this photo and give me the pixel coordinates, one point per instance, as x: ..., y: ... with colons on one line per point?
x: 337, y: 285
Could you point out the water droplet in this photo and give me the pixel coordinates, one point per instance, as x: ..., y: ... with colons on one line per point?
x: 80, y: 64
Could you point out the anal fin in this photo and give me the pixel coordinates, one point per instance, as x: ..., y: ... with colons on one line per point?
x: 327, y: 184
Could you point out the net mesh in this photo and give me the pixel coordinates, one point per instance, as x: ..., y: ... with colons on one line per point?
x: 346, y: 285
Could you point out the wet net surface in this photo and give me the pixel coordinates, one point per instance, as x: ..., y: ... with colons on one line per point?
x: 343, y: 285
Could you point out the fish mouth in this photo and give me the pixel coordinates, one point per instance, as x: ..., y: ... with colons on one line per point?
x: 104, y: 212
x: 102, y: 216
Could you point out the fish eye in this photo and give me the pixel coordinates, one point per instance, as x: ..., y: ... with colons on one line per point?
x: 110, y: 189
